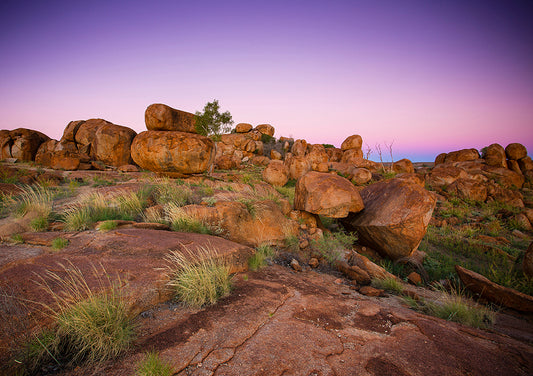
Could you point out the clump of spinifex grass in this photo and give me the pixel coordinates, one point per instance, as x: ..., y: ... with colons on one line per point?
x: 389, y: 284
x: 88, y: 326
x: 152, y: 365
x: 38, y: 201
x: 260, y: 257
x: 199, y: 278
x: 180, y: 220
x: 454, y: 306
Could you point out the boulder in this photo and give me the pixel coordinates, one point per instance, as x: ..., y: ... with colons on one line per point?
x: 527, y: 263
x: 352, y: 142
x: 525, y: 164
x: 71, y: 129
x: 160, y: 117
x: 243, y: 128
x: 440, y: 159
x: 226, y: 162
x: 515, y: 151
x: 462, y: 155
x: 395, y: 217
x: 444, y: 175
x: 334, y: 154
x: 85, y: 136
x: 276, y: 173
x: 265, y: 129
x: 21, y: 144
x: 403, y: 166
x: 298, y: 166
x: 493, y: 292
x: 354, y: 156
x: 326, y: 194
x: 469, y: 189
x: 514, y: 166
x: 317, y: 155
x: 113, y: 144
x: 494, y: 155
x: 361, y: 176
x: 503, y: 176
x: 299, y: 148
x: 274, y: 154
x: 172, y: 151
x: 508, y: 196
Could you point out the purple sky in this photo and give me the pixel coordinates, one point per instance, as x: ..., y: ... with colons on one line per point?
x: 429, y: 76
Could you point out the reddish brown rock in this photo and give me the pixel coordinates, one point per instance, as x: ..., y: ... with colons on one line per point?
x: 298, y: 166
x: 69, y: 134
x: 361, y: 176
x: 444, y: 175
x: 494, y: 155
x: 493, y: 292
x: 403, y: 166
x: 414, y: 278
x: 64, y: 160
x: 160, y: 117
x: 326, y: 194
x: 299, y: 148
x: 21, y: 144
x: 462, y: 155
x: 266, y: 129
x: 243, y: 128
x: 515, y: 151
x: 440, y: 159
x: 166, y: 151
x: 525, y: 164
x: 469, y: 189
x: 352, y: 142
x: 276, y: 173
x: 128, y: 168
x: 503, y: 176
x: 274, y: 154
x: 371, y: 291
x: 514, y: 166
x: 395, y: 217
x: 317, y: 155
x: 412, y: 178
x: 85, y: 137
x: 225, y: 162
x: 353, y: 272
x: 508, y: 196
x: 353, y: 156
x: 113, y: 144
x: 334, y: 154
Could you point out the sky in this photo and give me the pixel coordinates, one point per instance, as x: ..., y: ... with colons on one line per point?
x: 424, y: 76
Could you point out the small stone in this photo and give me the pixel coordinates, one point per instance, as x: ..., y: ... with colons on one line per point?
x: 338, y: 281
x: 313, y: 262
x: 296, y: 265
x: 414, y: 278
x: 370, y: 291
x: 303, y: 244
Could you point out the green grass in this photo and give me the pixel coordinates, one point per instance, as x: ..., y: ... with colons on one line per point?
x: 88, y: 326
x: 180, y: 220
x: 107, y: 226
x: 292, y: 243
x: 98, y: 181
x: 166, y: 191
x: 332, y: 245
x: 200, y: 278
x: 39, y: 224
x: 59, y: 243
x: 35, y: 199
x: 287, y: 192
x: 152, y: 365
x: 261, y: 256
x: 17, y: 239
x: 389, y: 284
x: 456, y: 307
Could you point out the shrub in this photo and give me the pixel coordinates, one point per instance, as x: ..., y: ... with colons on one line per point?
x: 39, y: 224
x: 59, y: 243
x: 89, y: 326
x: 152, y: 365
x: 199, y: 278
x: 260, y: 257
x: 331, y: 245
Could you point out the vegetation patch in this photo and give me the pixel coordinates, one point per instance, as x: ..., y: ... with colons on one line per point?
x: 199, y: 278
x: 332, y: 245
x: 152, y: 365
x: 260, y: 258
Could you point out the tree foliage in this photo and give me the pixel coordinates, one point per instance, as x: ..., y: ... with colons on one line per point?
x: 211, y: 122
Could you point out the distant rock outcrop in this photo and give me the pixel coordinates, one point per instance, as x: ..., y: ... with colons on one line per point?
x: 21, y: 144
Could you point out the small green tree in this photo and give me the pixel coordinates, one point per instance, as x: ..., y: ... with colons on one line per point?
x: 211, y: 122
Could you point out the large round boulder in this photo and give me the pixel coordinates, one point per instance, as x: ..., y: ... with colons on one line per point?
x: 327, y: 194
x: 243, y: 128
x: 515, y: 151
x: 276, y: 173
x: 21, y: 143
x: 352, y: 142
x: 177, y: 152
x: 395, y: 217
x: 462, y: 155
x: 403, y: 166
x: 160, y: 117
x: 113, y: 144
x: 266, y: 129
x: 494, y: 155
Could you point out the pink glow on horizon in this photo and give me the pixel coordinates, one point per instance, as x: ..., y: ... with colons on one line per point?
x: 428, y: 77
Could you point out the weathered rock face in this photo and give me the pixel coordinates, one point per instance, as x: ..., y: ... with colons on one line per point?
x: 504, y: 176
x: 113, y: 144
x: 462, y: 155
x: 352, y: 142
x: 354, y: 156
x: 525, y: 164
x: 299, y: 148
x: 21, y: 143
x: 334, y: 154
x: 167, y: 151
x: 298, y: 166
x: 266, y: 129
x: 439, y: 159
x: 395, y: 217
x: 493, y: 292
x: 494, y: 155
x: 469, y: 189
x: 317, y: 155
x: 160, y: 117
x: 403, y: 166
x: 327, y: 194
x: 361, y: 176
x: 276, y: 173
x: 85, y: 136
x: 445, y: 174
x: 515, y: 151
x: 243, y: 128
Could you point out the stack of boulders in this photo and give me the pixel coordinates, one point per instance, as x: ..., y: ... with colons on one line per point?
x: 495, y: 175
x: 87, y: 144
x: 245, y: 144
x: 20, y: 144
x: 171, y: 144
